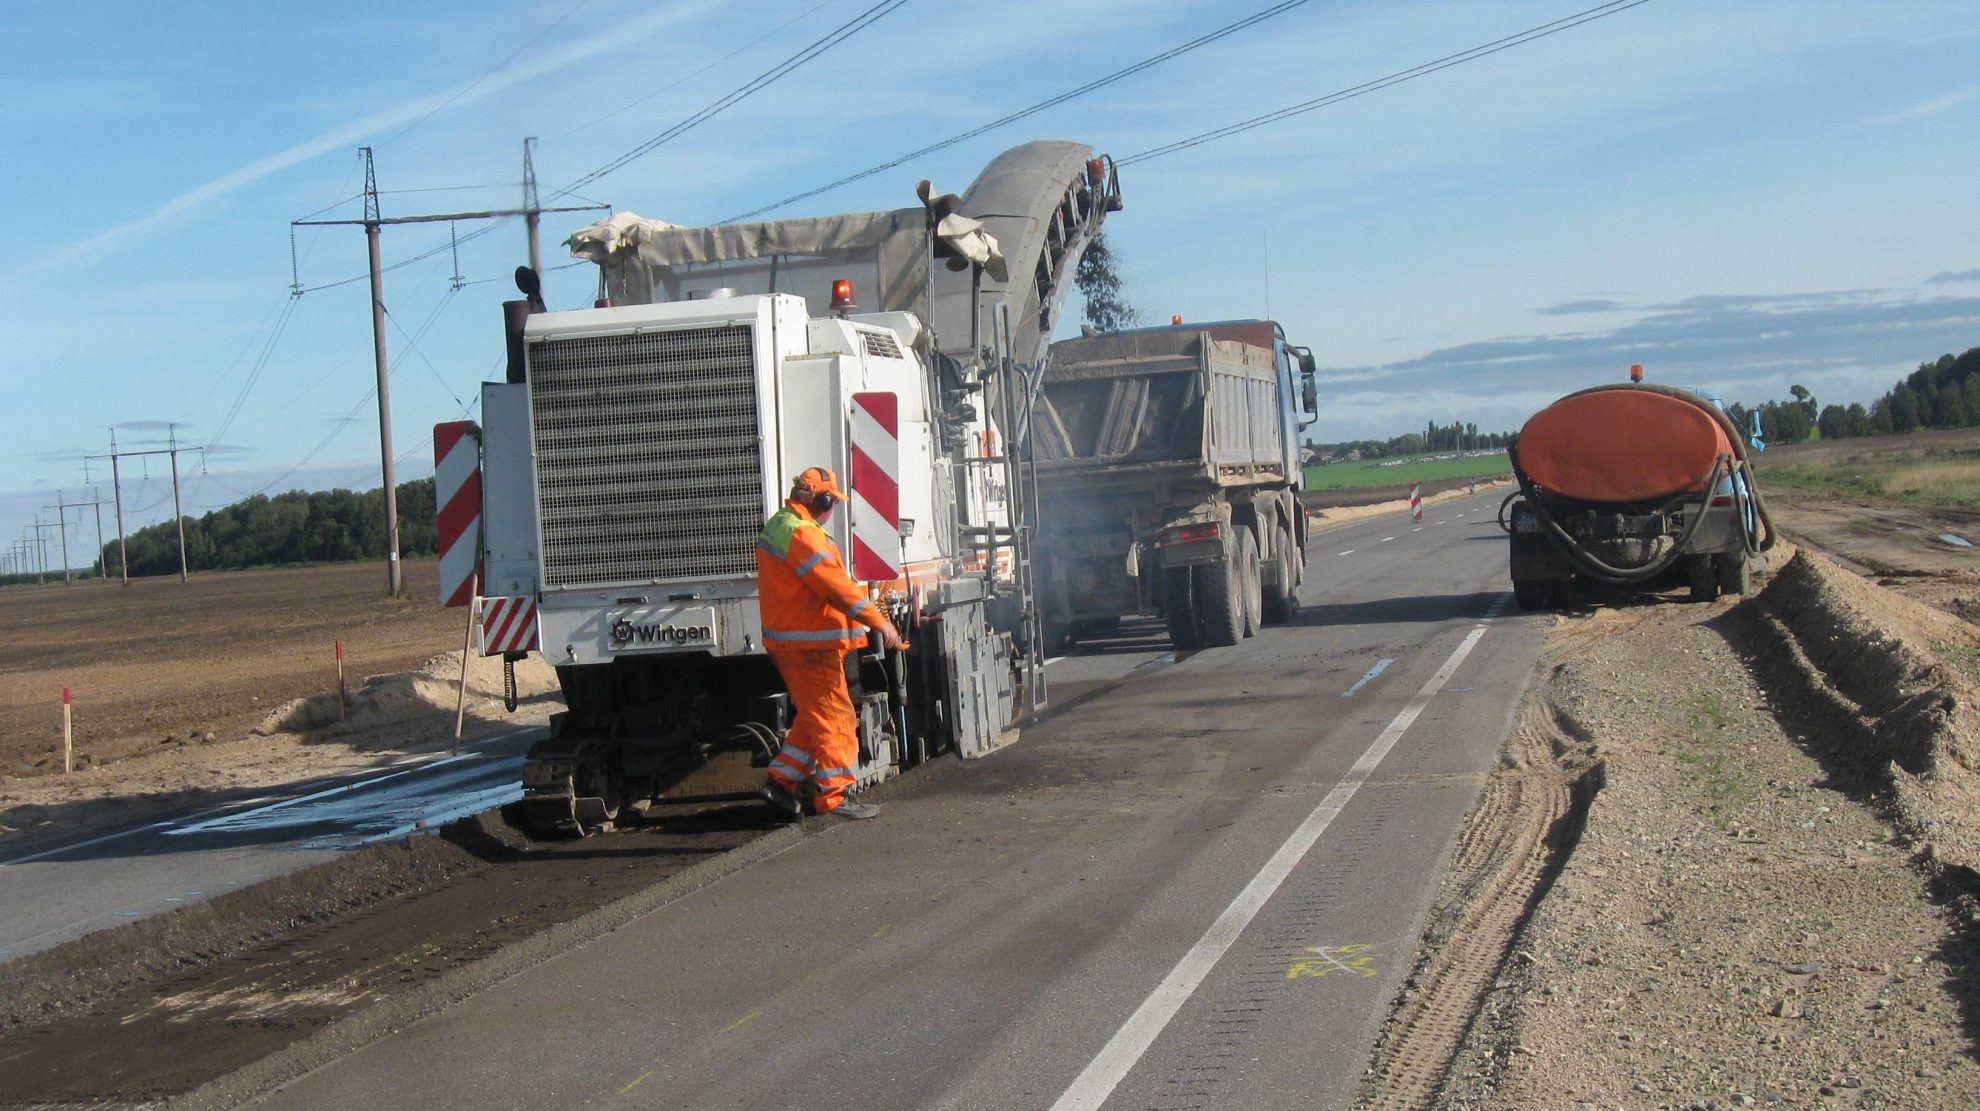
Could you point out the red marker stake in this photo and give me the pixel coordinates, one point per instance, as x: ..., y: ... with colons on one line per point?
x: 343, y: 696
x: 68, y: 735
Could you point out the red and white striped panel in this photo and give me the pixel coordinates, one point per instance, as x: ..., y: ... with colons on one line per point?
x: 1416, y: 500
x: 508, y: 625
x: 876, y: 487
x: 457, y: 493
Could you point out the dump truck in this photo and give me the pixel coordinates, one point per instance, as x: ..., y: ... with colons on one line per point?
x: 1168, y: 480
x: 1633, y: 484
x: 604, y: 510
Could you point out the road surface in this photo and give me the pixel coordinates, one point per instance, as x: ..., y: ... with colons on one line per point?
x: 1197, y: 884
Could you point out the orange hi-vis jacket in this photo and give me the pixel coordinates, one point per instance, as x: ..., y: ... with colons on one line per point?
x: 807, y: 599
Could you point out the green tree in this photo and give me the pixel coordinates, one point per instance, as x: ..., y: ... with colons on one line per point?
x: 1833, y: 423
x: 1949, y: 409
x: 1099, y: 281
x: 1904, y: 408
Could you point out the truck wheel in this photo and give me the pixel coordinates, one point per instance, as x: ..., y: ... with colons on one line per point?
x: 1704, y: 578
x: 1220, y: 600
x: 1282, y: 601
x: 1252, y: 578
x: 1179, y: 607
x: 1530, y: 594
x: 1734, y: 572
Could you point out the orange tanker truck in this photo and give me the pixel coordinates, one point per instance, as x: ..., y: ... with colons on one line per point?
x: 1632, y: 484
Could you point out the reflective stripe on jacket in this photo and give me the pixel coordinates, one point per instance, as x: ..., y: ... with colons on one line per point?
x: 806, y: 598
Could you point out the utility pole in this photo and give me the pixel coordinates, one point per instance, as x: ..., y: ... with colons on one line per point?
x: 373, y: 221
x: 62, y: 523
x: 178, y: 514
x: 41, y: 545
x: 530, y: 207
x: 116, y: 485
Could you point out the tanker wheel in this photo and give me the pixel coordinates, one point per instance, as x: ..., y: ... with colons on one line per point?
x: 1252, y: 579
x: 1735, y: 574
x: 1220, y: 590
x: 1179, y: 607
x: 1282, y: 601
x: 1529, y: 594
x: 1704, y: 578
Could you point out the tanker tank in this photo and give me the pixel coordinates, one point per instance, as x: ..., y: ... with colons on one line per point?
x: 1632, y: 485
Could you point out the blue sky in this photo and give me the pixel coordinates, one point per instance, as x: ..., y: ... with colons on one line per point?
x: 1744, y: 196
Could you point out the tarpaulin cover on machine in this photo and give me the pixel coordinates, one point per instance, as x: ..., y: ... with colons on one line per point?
x: 1621, y: 444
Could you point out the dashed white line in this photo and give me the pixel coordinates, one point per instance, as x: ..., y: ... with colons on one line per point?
x: 1385, y: 540
x: 1350, y: 551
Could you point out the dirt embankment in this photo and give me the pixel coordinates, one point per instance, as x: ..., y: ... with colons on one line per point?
x: 1728, y: 859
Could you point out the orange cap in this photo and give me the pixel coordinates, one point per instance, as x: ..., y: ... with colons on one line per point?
x: 818, y: 480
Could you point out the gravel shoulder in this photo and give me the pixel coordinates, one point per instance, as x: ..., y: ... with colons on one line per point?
x: 1727, y: 859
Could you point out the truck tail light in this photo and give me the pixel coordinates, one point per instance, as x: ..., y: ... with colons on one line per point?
x: 1186, y: 534
x: 842, y: 294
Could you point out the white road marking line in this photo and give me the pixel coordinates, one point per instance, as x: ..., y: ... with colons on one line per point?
x: 1053, y: 660
x: 1350, y: 551
x: 1098, y: 1080
x: 1381, y: 665
x: 1385, y: 540
x: 1418, y: 528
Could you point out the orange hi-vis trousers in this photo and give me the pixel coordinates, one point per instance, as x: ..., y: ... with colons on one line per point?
x: 822, y: 748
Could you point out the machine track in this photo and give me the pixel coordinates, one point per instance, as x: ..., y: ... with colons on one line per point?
x: 1511, y: 847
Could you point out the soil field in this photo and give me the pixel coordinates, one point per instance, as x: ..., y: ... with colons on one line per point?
x: 163, y: 663
x: 1370, y: 473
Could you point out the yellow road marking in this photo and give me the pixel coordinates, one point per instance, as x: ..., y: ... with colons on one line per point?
x: 737, y: 1024
x: 637, y: 1081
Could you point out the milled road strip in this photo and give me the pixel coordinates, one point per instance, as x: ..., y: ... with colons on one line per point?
x: 1097, y: 1081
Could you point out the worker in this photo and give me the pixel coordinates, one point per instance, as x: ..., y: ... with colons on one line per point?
x: 813, y: 615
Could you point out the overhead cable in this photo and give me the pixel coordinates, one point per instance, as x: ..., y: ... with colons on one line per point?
x: 1522, y: 38
x: 1097, y: 83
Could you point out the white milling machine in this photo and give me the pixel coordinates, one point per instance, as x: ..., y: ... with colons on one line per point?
x: 629, y: 460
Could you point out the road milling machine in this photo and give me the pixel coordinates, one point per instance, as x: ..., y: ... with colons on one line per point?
x: 1633, y: 484
x: 620, y: 474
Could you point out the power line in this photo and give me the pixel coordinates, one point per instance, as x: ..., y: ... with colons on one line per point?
x: 1097, y: 83
x: 734, y: 97
x: 499, y: 67
x: 838, y: 35
x: 1529, y: 35
x: 801, y: 16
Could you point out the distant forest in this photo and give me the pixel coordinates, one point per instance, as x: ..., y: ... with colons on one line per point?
x: 1942, y: 394
x: 295, y: 527
x: 1434, y: 437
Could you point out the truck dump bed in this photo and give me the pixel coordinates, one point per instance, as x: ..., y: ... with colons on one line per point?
x: 1115, y: 407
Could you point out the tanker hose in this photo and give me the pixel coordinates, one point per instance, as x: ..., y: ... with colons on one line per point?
x: 1505, y: 522
x: 1594, y: 568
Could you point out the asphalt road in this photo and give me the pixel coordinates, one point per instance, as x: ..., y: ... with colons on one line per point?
x: 1196, y: 884
x: 52, y: 893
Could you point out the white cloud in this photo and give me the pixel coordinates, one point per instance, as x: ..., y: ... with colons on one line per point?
x: 615, y: 40
x: 1931, y: 107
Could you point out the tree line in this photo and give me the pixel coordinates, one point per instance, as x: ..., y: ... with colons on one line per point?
x: 297, y: 527
x: 1944, y: 393
x: 1456, y: 436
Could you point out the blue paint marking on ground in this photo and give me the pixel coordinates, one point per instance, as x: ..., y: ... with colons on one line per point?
x: 1380, y: 666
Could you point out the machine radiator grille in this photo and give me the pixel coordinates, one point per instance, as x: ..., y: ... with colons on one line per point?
x: 647, y: 458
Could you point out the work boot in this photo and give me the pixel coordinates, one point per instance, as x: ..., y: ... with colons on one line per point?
x: 856, y: 811
x: 776, y: 798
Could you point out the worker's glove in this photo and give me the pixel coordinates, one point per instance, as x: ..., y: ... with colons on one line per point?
x: 889, y: 636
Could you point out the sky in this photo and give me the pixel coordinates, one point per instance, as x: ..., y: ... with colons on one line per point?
x: 1739, y: 196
